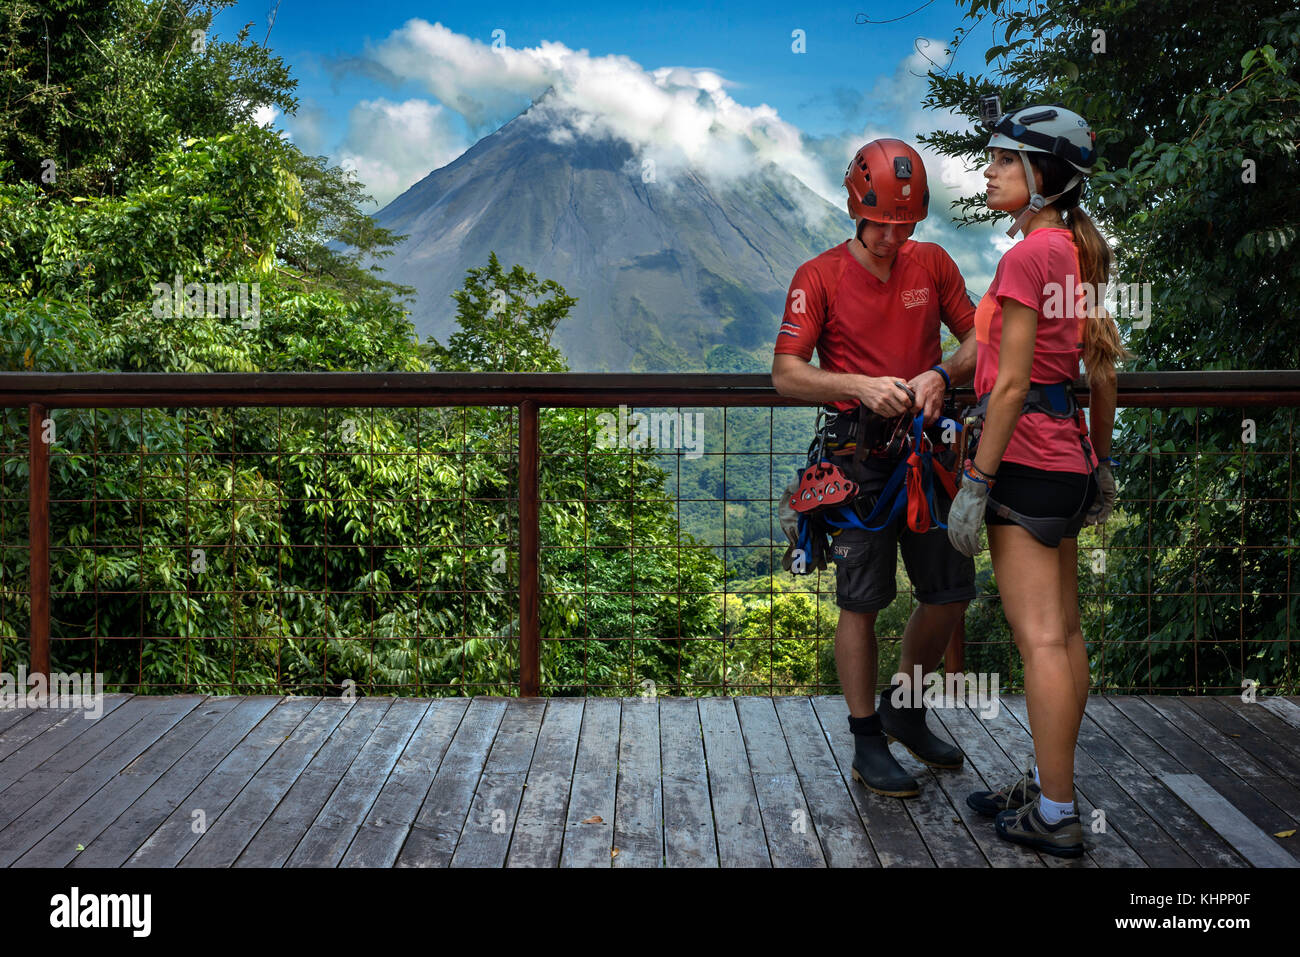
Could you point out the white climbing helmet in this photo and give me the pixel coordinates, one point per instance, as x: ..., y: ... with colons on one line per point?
x: 1041, y: 129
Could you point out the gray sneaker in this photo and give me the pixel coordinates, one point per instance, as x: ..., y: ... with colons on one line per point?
x: 1025, y: 826
x: 1009, y: 797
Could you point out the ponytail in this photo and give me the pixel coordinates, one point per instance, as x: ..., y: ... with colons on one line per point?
x: 1102, y: 347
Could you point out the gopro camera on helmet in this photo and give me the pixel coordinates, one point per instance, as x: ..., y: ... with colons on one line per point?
x: 990, y: 110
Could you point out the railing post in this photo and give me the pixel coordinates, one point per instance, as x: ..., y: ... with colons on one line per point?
x: 38, y: 511
x: 529, y: 534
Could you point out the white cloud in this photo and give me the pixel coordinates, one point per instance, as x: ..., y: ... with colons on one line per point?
x: 392, y: 145
x: 676, y: 116
x: 265, y: 115
x: 673, y: 115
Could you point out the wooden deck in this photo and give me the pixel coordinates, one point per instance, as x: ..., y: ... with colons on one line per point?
x: 194, y: 781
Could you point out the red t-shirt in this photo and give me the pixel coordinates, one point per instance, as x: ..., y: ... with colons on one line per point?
x: 861, y: 325
x: 1042, y: 271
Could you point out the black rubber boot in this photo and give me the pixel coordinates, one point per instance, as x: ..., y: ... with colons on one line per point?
x: 907, y: 727
x: 876, y: 770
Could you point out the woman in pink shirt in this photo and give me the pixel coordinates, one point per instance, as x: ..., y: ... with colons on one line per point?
x: 1034, y: 475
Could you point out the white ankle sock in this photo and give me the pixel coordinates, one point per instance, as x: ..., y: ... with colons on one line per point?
x: 1052, y: 811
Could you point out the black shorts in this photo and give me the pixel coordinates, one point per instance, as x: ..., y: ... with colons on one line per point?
x: 866, y: 562
x: 1043, y: 494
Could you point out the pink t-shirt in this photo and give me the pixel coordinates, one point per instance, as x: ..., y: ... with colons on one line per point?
x: 1041, y: 271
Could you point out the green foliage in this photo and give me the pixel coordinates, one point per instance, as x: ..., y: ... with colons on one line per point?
x: 302, y: 549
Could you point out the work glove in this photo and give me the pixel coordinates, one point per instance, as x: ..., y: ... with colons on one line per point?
x: 967, y: 513
x: 1105, y: 502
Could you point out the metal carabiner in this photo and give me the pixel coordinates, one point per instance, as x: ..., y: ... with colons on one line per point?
x: 819, y: 426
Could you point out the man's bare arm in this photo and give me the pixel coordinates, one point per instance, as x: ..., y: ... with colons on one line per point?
x: 930, y: 387
x: 800, y: 379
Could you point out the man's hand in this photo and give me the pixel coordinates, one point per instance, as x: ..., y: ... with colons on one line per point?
x: 886, y: 396
x: 929, y: 388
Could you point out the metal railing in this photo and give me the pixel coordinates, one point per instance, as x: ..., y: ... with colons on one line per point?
x: 522, y: 641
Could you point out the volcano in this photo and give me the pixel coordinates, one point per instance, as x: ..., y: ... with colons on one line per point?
x: 685, y: 275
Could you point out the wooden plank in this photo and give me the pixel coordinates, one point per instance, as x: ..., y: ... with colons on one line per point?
x: 889, y: 825
x: 35, y: 721
x: 82, y: 826
x: 1274, y: 728
x: 329, y: 835
x: 688, y: 811
x: 379, y: 839
x: 839, y: 829
x: 539, y: 829
x: 228, y: 835
x: 638, y: 798
x: 202, y: 808
x: 484, y: 838
x: 934, y: 816
x: 437, y: 827
x: 787, y: 820
x: 1201, y: 844
x: 1126, y: 828
x: 986, y: 767
x: 11, y: 716
x: 275, y: 841
x: 1196, y: 760
x: 132, y: 827
x: 1263, y: 779
x: 78, y: 748
x: 1269, y: 752
x: 75, y: 787
x: 736, y: 817
x: 1233, y: 826
x: 589, y: 828
x: 1284, y: 709
x: 43, y: 732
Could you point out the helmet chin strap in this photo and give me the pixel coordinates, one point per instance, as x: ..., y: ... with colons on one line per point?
x: 1036, y: 199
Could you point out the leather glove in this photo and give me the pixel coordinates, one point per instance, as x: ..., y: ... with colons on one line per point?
x: 1105, y: 503
x: 967, y: 514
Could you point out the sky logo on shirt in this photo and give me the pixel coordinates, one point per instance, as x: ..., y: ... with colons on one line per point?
x: 915, y: 297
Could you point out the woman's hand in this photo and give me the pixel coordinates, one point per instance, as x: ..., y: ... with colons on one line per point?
x: 967, y: 513
x: 1105, y: 503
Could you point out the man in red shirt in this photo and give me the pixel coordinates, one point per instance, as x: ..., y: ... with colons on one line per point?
x: 871, y: 307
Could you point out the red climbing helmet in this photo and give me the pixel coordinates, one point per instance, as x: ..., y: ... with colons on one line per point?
x: 886, y: 183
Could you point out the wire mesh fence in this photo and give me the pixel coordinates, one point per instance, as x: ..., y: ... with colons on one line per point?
x: 573, y: 535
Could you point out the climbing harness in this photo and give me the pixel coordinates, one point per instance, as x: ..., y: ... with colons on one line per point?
x: 909, y: 489
x: 1054, y: 399
x: 821, y: 499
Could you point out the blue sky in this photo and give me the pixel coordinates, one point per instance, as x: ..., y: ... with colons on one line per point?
x: 395, y: 90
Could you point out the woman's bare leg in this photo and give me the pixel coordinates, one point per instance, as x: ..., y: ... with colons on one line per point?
x: 1029, y: 582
